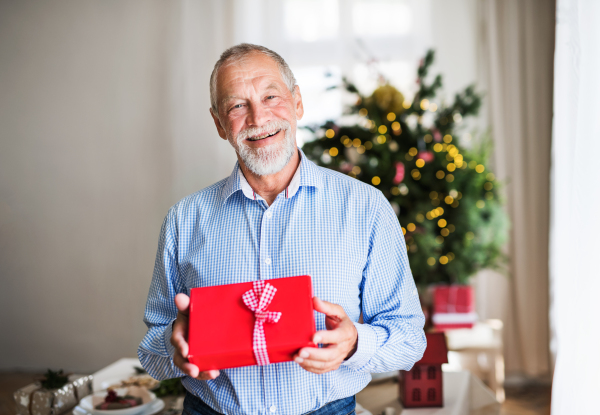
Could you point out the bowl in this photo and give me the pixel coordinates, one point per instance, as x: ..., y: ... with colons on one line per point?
x: 148, y: 398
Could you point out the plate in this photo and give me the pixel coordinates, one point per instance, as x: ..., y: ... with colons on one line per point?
x: 155, y: 407
x: 89, y: 402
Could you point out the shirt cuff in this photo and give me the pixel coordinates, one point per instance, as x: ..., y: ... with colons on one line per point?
x: 366, y: 347
x: 167, y: 339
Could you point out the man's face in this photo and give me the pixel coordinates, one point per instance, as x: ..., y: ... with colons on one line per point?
x: 257, y: 113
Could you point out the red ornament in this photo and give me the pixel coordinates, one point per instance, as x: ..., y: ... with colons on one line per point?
x: 426, y: 155
x: 399, y: 172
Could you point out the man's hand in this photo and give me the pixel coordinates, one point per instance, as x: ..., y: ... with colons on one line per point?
x: 179, y: 340
x: 340, y: 340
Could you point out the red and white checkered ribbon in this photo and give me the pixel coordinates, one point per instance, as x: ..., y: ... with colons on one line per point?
x: 257, y: 300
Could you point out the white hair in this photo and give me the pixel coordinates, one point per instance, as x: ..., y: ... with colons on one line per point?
x: 238, y: 53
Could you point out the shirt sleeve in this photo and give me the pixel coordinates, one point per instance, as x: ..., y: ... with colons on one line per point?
x: 392, y: 336
x: 156, y: 351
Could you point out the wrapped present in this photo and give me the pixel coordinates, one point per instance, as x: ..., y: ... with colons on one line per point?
x: 35, y: 399
x: 453, y: 307
x: 251, y: 323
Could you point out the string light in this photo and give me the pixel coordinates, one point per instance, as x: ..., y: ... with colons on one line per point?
x: 489, y: 195
x: 447, y: 138
x: 347, y: 143
x: 445, y: 232
x: 431, y: 261
x: 490, y: 177
x: 424, y: 104
x: 449, y: 200
x: 368, y: 145
x: 393, y: 146
x: 396, y: 128
x: 395, y: 191
x: 360, y: 149
x: 403, y: 231
x: 356, y: 170
x: 411, y: 227
x: 480, y: 204
x: 443, y: 260
x: 433, y: 107
x: 420, y: 218
x: 391, y: 116
x: 420, y: 163
x: 457, y: 118
x: 363, y: 112
x: 376, y: 180
x: 408, y: 157
x: 442, y: 223
x: 381, y: 139
x: 356, y: 142
x: 451, y: 228
x: 416, y: 174
x: 472, y: 164
x: 406, y: 104
x: 437, y: 147
x: 427, y: 138
x: 330, y: 133
x: 454, y: 204
x: 479, y: 168
x: 440, y: 211
x: 333, y: 151
x: 449, y: 157
x: 470, y: 235
x: 413, y: 151
x: 488, y: 186
x: 403, y: 189
x: 450, y: 178
x: 433, y: 195
x: 451, y: 166
x: 382, y: 129
x: 439, y: 239
x: 344, y: 138
x: 440, y: 174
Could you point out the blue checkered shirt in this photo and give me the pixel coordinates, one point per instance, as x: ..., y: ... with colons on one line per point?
x: 340, y: 231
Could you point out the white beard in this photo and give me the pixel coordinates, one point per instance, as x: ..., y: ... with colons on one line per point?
x: 270, y: 159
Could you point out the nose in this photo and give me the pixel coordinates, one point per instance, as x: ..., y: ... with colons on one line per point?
x: 258, y: 114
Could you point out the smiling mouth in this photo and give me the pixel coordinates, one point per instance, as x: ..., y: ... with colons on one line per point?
x: 262, y: 137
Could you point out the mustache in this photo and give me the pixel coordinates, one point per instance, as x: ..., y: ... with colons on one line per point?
x: 269, y: 127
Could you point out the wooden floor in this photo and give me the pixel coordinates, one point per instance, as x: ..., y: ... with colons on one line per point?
x: 526, y: 400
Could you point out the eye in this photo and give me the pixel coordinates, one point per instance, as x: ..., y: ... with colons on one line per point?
x: 271, y: 97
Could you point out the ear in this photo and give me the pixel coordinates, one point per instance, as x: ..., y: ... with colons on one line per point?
x: 220, y: 128
x: 299, y: 107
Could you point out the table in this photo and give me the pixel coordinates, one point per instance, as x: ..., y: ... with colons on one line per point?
x: 464, y: 394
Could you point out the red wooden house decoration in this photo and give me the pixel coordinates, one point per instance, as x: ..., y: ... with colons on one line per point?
x: 422, y: 385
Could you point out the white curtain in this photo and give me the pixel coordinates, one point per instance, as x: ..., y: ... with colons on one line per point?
x: 517, y: 46
x: 575, y: 222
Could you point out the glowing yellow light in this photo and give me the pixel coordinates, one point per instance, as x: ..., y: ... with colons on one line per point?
x: 443, y: 260
x: 413, y: 151
x: 480, y: 204
x: 329, y: 133
x: 445, y: 232
x: 450, y: 178
x: 408, y: 157
x: 451, y: 166
x: 356, y: 142
x: 424, y: 104
x: 333, y: 151
x: 489, y: 195
x: 406, y: 104
x: 439, y: 239
x: 344, y: 138
x: 438, y: 147
x: 420, y: 218
x: 433, y: 195
x: 376, y: 180
x: 395, y: 191
x: 363, y: 112
x: 479, y: 168
x: 348, y: 143
x: 470, y: 235
x: 440, y: 174
x: 458, y: 158
x: 391, y: 116
x: 403, y: 231
x: 448, y: 200
x: 427, y: 138
x: 411, y: 227
x: 360, y: 150
x: 488, y: 186
x: 429, y: 215
x: 442, y: 223
x: 490, y: 177
x: 396, y: 127
x: 433, y: 107
x: 356, y: 170
x: 381, y: 139
x: 451, y: 228
x: 453, y: 152
x: 368, y: 145
x: 459, y: 163
x: 447, y: 138
x: 416, y: 174
x: 449, y: 157
x: 454, y: 204
x: 393, y: 146
x: 440, y: 210
x: 420, y: 163
x: 444, y: 147
x: 382, y: 129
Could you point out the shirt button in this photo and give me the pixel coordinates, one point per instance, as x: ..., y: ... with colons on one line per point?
x: 269, y: 215
x: 273, y: 408
x: 268, y: 261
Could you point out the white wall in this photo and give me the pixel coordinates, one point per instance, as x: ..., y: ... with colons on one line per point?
x: 94, y: 148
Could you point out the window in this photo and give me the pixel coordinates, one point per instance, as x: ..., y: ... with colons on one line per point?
x: 416, y: 395
x: 416, y: 373
x: 431, y: 371
x: 431, y: 395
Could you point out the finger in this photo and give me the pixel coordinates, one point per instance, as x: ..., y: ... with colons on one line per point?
x: 325, y: 354
x: 185, y: 366
x: 182, y: 302
x: 316, y: 366
x: 208, y: 375
x: 335, y: 336
x: 178, y: 337
x: 329, y: 309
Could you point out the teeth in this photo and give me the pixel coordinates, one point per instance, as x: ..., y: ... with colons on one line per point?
x: 260, y: 137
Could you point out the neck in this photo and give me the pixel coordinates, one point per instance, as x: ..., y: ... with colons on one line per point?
x: 268, y: 187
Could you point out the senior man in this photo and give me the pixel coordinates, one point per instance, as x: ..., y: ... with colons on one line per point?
x: 279, y: 215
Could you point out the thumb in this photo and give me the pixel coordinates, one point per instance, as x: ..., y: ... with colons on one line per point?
x: 182, y: 302
x: 327, y: 308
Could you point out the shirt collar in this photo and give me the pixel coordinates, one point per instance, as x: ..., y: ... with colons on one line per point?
x: 307, y: 174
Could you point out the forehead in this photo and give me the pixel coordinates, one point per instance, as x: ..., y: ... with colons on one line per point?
x: 253, y: 71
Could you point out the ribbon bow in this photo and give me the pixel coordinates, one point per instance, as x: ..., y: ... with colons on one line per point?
x: 257, y: 300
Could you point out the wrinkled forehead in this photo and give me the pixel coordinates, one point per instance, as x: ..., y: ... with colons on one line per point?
x: 253, y: 71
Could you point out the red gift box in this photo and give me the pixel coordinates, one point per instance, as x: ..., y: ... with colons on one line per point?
x: 222, y: 326
x: 453, y: 307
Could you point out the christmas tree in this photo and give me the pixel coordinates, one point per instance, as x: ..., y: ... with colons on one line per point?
x: 444, y: 194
